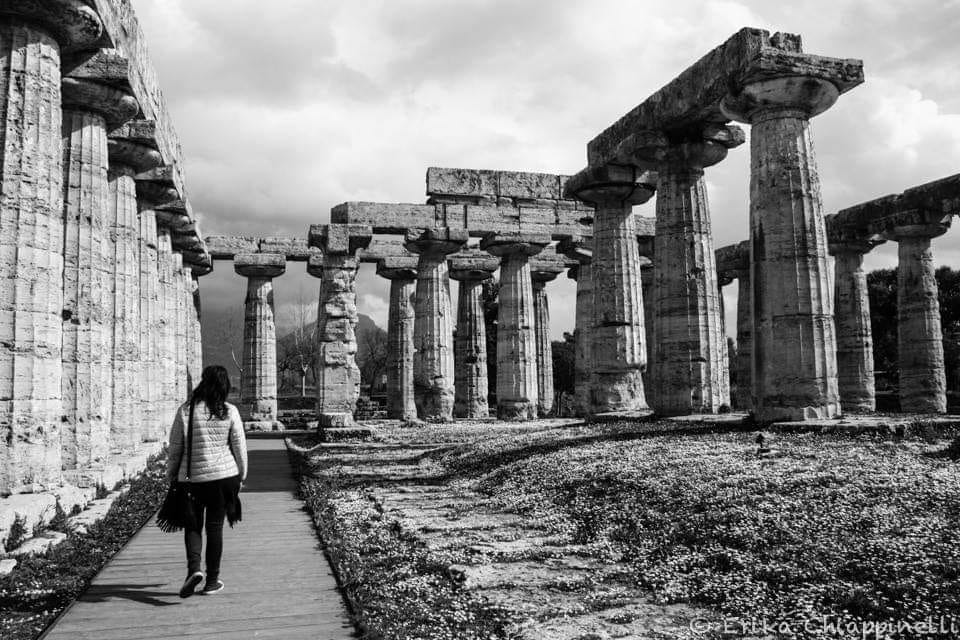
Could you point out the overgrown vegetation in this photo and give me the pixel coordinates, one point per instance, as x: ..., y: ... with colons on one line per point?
x: 42, y: 586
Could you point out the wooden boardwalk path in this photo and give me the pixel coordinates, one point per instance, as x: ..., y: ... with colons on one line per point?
x: 278, y: 582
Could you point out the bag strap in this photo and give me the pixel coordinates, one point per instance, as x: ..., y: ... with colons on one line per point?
x: 193, y: 403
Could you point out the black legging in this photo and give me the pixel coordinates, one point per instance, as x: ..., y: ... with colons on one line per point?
x: 213, y: 525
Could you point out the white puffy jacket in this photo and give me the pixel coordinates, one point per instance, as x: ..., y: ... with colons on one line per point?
x: 219, y: 446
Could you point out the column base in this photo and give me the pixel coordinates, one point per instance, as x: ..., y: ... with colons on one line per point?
x: 516, y: 411
x: 618, y: 391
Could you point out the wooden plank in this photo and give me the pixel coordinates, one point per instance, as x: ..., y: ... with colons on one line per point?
x: 279, y: 584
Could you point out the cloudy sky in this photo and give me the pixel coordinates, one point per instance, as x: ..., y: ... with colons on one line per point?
x: 288, y: 108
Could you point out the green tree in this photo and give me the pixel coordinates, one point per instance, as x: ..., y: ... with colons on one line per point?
x: 489, y: 297
x: 564, y: 356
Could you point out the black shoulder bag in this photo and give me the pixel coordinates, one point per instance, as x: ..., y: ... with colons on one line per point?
x: 177, y: 510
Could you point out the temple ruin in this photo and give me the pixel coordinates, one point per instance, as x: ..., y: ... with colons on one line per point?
x: 101, y: 255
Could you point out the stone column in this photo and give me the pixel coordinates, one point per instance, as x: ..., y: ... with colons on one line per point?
x: 130, y: 424
x: 151, y: 395
x: 471, y: 269
x: 32, y: 37
x: 794, y: 356
x: 690, y: 368
x: 402, y: 274
x: 855, y: 376
x: 618, y: 340
x: 919, y: 334
x: 258, y: 388
x: 583, y: 353
x: 541, y: 274
x: 338, y: 377
x: 517, y: 392
x: 433, y: 365
x: 166, y: 316
x: 182, y: 298
x: 646, y: 285
x: 88, y: 272
x: 196, y: 353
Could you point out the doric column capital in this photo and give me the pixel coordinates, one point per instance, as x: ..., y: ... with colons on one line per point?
x: 398, y: 268
x: 259, y: 265
x: 505, y: 244
x: 612, y: 185
x: 796, y: 96
x: 438, y: 241
x: 576, y: 249
x: 692, y: 149
x: 472, y: 266
x: 116, y: 105
x: 914, y: 223
x: 546, y: 267
x: 74, y: 23
x: 340, y: 239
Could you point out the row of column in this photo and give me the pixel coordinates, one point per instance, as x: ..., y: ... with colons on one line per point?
x: 78, y: 274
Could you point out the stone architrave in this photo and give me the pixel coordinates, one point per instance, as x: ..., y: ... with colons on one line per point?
x: 89, y: 108
x: 543, y: 271
x: 470, y: 344
x: 923, y: 387
x: 131, y: 425
x: 402, y: 274
x: 618, y: 335
x: 33, y: 36
x: 690, y: 366
x: 338, y: 377
x: 582, y: 252
x: 517, y: 388
x: 855, y: 372
x: 258, y: 387
x: 794, y: 356
x: 433, y: 363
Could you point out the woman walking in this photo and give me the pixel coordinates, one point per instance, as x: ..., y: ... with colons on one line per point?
x: 215, y: 466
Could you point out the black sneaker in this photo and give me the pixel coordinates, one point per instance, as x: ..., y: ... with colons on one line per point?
x: 212, y: 587
x: 190, y: 584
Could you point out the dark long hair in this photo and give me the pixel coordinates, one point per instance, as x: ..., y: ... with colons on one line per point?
x: 213, y: 390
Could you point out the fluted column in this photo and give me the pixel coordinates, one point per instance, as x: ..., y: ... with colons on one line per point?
x: 541, y: 275
x: 471, y: 269
x: 181, y: 278
x: 130, y: 425
x: 618, y: 340
x: 338, y: 377
x: 646, y: 285
x: 743, y: 399
x: 517, y: 388
x: 919, y: 333
x: 582, y: 252
x: 433, y: 364
x: 258, y: 387
x: 151, y: 407
x: 166, y: 317
x: 31, y: 235
x: 690, y: 367
x: 88, y: 273
x: 402, y: 274
x: 855, y: 376
x: 794, y: 357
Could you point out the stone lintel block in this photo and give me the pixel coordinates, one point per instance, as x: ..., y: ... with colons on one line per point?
x: 340, y: 239
x: 623, y: 184
x: 259, y: 265
x: 441, y: 240
x: 501, y: 244
x: 398, y: 268
x: 140, y: 158
x: 295, y: 249
x: 139, y: 131
x: 74, y: 23
x: 734, y: 258
x: 106, y: 66
x: 226, y: 247
x: 391, y: 218
x: 695, y: 95
x: 492, y: 184
x: 115, y: 105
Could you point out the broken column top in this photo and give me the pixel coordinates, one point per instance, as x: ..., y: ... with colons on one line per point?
x: 694, y: 97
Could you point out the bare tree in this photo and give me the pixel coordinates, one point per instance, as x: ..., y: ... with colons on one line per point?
x: 297, y: 350
x: 372, y: 353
